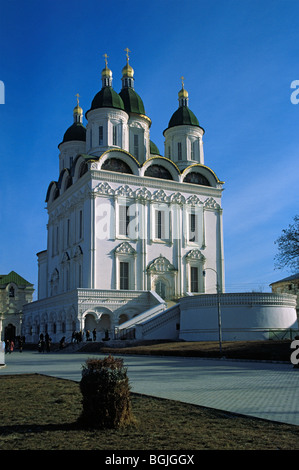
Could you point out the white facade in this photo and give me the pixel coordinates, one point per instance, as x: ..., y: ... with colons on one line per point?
x: 125, y: 221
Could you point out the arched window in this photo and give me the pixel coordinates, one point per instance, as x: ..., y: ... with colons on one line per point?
x: 68, y: 182
x: 11, y: 292
x: 158, y: 171
x: 56, y: 194
x: 83, y: 169
x: 117, y: 165
x: 196, y: 178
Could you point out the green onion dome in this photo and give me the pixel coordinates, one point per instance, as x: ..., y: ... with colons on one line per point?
x: 154, y: 149
x: 107, y: 98
x: 183, y: 116
x: 75, y: 132
x: 132, y: 101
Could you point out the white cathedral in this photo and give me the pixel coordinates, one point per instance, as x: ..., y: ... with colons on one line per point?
x: 129, y: 230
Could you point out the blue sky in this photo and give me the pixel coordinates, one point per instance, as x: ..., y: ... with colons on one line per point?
x: 238, y: 57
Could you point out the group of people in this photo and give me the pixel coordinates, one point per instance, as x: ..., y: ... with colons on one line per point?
x: 44, y: 343
x: 10, y: 344
x: 78, y: 336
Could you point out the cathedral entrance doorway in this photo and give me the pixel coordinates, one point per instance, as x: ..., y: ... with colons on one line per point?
x: 161, y: 289
x: 162, y: 278
x: 101, y: 322
x: 90, y: 322
x: 9, y: 332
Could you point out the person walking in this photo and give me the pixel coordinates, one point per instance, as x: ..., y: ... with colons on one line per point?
x: 11, y: 346
x: 48, y: 343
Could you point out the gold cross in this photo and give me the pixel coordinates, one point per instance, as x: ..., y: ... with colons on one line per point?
x: 106, y: 57
x: 182, y: 78
x: 127, y: 53
x: 78, y: 96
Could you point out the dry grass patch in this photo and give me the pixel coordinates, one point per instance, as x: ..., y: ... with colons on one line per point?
x: 278, y: 350
x: 41, y: 413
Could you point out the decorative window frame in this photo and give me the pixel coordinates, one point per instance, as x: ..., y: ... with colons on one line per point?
x: 166, y: 237
x: 194, y: 258
x: 134, y: 219
x: 136, y: 130
x: 66, y: 272
x: 12, y: 291
x: 161, y: 270
x: 78, y: 266
x: 197, y: 210
x: 116, y: 134
x: 194, y: 148
x: 127, y: 254
x: 54, y: 283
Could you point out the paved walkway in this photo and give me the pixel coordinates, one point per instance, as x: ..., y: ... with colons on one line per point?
x: 265, y: 390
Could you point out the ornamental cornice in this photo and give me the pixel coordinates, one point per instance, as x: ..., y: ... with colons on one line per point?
x: 160, y: 265
x: 125, y: 192
x: 144, y: 194
x: 160, y: 196
x: 125, y: 248
x: 195, y: 254
x: 104, y: 189
x: 155, y: 183
x: 211, y: 204
x: 194, y: 200
x: 177, y: 198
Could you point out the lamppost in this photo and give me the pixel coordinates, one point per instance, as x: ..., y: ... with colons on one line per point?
x: 218, y: 308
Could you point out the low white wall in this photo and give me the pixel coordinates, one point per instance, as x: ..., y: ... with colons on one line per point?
x: 244, y: 316
x: 164, y: 325
x: 2, y: 353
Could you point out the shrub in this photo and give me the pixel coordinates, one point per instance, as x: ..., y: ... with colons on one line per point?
x: 106, y: 394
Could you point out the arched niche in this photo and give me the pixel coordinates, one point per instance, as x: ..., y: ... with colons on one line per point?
x: 158, y: 171
x: 196, y: 178
x: 117, y: 165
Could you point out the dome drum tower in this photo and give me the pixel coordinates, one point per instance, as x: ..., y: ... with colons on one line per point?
x: 183, y: 137
x: 74, y: 140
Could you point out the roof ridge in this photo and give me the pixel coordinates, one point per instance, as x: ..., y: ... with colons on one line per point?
x: 14, y: 277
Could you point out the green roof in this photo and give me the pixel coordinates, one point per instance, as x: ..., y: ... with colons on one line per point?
x: 75, y: 132
x: 183, y: 116
x: 154, y: 149
x: 15, y: 278
x: 132, y: 101
x: 107, y: 98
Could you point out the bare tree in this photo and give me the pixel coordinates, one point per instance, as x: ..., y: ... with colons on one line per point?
x: 288, y: 247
